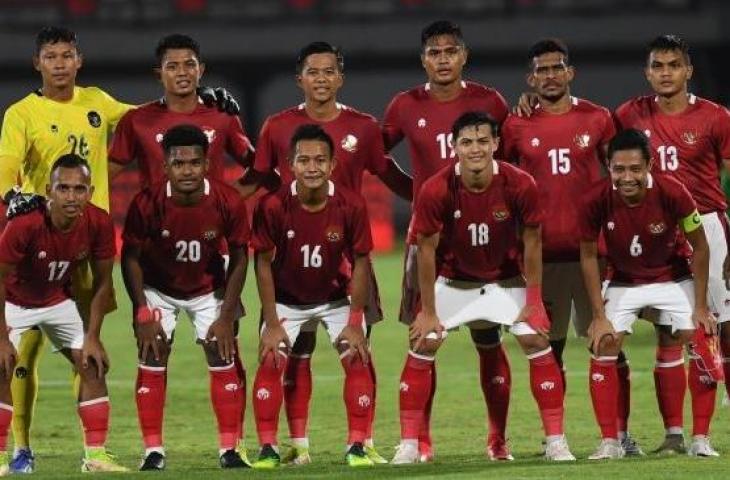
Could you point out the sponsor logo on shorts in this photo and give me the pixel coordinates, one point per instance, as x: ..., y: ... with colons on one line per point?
x: 94, y: 119
x: 583, y: 140
x: 349, y: 143
x: 657, y: 228
x: 500, y: 214
x: 263, y: 394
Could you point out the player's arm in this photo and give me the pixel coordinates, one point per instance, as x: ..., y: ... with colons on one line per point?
x: 133, y: 276
x: 353, y: 334
x: 8, y: 355
x: 252, y: 180
x: 534, y: 312
x: 223, y: 328
x: 9, y: 171
x: 600, y: 326
x: 114, y: 169
x: 102, y: 296
x: 695, y: 234
x: 274, y: 334
x: 397, y: 180
x: 426, y: 321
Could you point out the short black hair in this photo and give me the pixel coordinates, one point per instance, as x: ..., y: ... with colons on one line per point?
x: 442, y: 27
x: 176, y: 41
x: 54, y: 34
x: 311, y: 131
x: 184, y: 136
x: 70, y: 160
x: 320, y: 47
x: 474, y: 119
x: 548, y: 45
x: 665, y: 43
x: 630, y: 139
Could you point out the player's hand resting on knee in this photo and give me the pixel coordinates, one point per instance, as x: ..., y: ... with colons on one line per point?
x: 94, y: 350
x: 8, y: 357
x: 149, y: 332
x: 221, y: 331
x: 702, y: 318
x: 354, y: 337
x: 424, y: 324
x: 600, y: 327
x: 271, y: 338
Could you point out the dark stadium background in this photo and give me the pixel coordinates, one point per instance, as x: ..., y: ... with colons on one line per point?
x: 250, y: 47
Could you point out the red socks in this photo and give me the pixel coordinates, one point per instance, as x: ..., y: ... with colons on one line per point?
x: 496, y: 381
x: 227, y: 397
x: 371, y: 416
x: 150, y: 395
x: 624, y: 394
x: 416, y: 391
x: 297, y: 394
x: 424, y: 436
x: 547, y: 388
x: 267, y: 398
x: 670, y: 381
x: 94, y: 416
x: 702, y: 390
x: 358, y: 396
x: 603, y: 381
x: 6, y: 416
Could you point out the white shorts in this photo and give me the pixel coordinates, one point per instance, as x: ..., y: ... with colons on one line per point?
x: 202, y: 310
x: 562, y: 289
x: 480, y: 305
x: 61, y: 323
x: 718, y: 296
x: 297, y: 318
x: 673, y: 300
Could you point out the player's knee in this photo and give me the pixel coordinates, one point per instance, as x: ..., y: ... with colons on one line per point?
x: 212, y: 356
x: 270, y: 360
x: 667, y: 338
x: 428, y: 347
x: 532, y: 343
x: 305, y: 343
x: 609, y: 345
x: 684, y: 336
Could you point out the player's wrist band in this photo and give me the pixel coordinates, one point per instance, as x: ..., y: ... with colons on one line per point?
x: 534, y: 294
x: 144, y: 315
x: 356, y: 317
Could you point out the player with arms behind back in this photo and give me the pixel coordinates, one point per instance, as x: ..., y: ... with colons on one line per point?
x: 646, y: 221
x: 470, y: 221
x: 423, y: 116
x: 172, y: 263
x: 302, y: 234
x: 38, y: 255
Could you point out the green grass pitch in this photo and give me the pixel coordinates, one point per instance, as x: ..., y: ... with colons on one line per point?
x: 458, y: 420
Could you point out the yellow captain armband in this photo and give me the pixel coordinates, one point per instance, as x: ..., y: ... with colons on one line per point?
x: 691, y: 222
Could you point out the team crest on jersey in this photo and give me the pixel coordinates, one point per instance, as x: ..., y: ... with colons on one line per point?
x: 42, y: 254
x: 657, y: 228
x: 500, y: 214
x: 535, y: 142
x: 690, y: 138
x: 94, y: 119
x: 210, y: 133
x: 421, y: 123
x: 334, y: 234
x: 210, y: 235
x: 583, y: 140
x: 349, y: 143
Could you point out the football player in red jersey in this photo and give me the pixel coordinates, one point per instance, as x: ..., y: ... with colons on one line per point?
x: 690, y: 140
x: 423, y: 116
x: 358, y: 147
x: 473, y: 222
x: 140, y: 131
x: 172, y: 262
x: 302, y: 234
x: 39, y: 252
x: 646, y: 221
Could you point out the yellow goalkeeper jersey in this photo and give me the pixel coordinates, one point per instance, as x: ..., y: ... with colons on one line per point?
x: 37, y: 130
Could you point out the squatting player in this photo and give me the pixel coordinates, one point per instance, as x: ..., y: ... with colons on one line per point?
x: 302, y: 233
x: 690, y: 139
x: 38, y: 255
x: 172, y: 263
x: 358, y: 147
x: 424, y: 116
x: 646, y: 221
x: 469, y: 221
x: 58, y: 118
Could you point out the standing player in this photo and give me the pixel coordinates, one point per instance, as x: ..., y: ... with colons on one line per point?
x: 358, y: 147
x: 301, y: 235
x: 140, y: 131
x: 424, y: 116
x: 644, y: 219
x: 690, y: 137
x: 38, y: 255
x: 58, y: 118
x: 172, y: 262
x: 469, y: 221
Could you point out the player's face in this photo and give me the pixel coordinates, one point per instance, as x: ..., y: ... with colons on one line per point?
x: 70, y: 190
x: 550, y: 75
x: 443, y: 58
x: 475, y: 147
x: 320, y: 78
x: 668, y: 72
x: 312, y: 164
x: 186, y: 168
x: 629, y: 173
x: 180, y: 72
x: 58, y: 64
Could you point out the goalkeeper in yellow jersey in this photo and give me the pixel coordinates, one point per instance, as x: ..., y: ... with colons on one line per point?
x: 58, y: 118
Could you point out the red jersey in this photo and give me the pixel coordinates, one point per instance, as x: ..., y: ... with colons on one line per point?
x: 690, y: 145
x: 139, y: 135
x: 182, y: 244
x: 479, y: 232
x: 426, y: 124
x: 563, y: 153
x: 644, y: 242
x: 45, y: 257
x: 356, y: 136
x: 311, y: 246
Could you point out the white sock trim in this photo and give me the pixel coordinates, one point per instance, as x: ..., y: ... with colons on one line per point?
x: 94, y: 401
x: 541, y: 353
x: 142, y: 366
x: 669, y: 364
x: 7, y: 407
x: 221, y: 369
x: 421, y: 357
x: 605, y: 358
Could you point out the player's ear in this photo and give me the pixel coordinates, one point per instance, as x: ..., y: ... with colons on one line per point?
x: 690, y: 70
x: 79, y: 60
x: 466, y: 56
x: 91, y: 190
x: 570, y: 73
x: 48, y: 190
x: 157, y: 72
x: 37, y: 63
x: 530, y: 80
x: 202, y: 70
